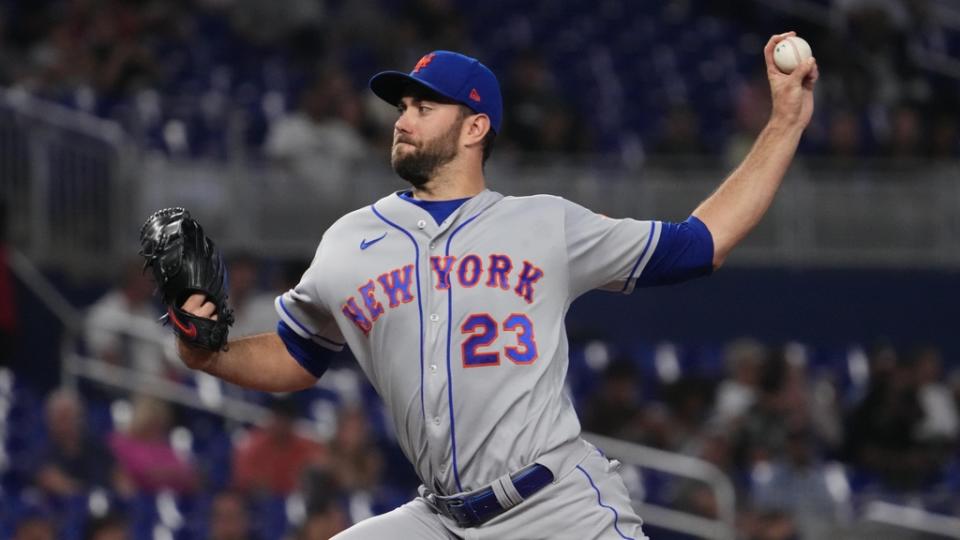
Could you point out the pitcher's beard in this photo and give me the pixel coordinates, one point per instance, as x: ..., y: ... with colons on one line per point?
x: 419, y: 166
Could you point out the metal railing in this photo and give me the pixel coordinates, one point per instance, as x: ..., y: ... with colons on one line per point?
x: 63, y: 176
x: 76, y: 367
x: 720, y: 528
x: 878, y: 213
x: 913, y: 519
x: 78, y: 194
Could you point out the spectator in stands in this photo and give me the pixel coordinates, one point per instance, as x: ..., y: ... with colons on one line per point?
x: 147, y: 460
x: 115, y: 323
x: 738, y: 392
x: 713, y: 446
x: 273, y: 22
x: 273, y: 457
x: 940, y: 419
x: 904, y: 141
x: 689, y: 400
x: 93, y: 46
x: 9, y: 58
x: 230, y: 517
x: 120, y: 63
x: 112, y: 526
x: 321, y: 488
x: 538, y: 120
x: 939, y: 429
x: 844, y: 136
x: 776, y: 485
x: 679, y: 134
x: 432, y: 16
x: 320, y: 143
x: 323, y: 521
x: 614, y: 409
x: 751, y: 110
x: 9, y: 319
x: 806, y: 408
x: 252, y: 307
x: 945, y: 138
x: 34, y: 526
x: 773, y: 525
x: 882, y: 429
x: 875, y: 37
x: 74, y: 461
x: 762, y: 433
x: 356, y: 461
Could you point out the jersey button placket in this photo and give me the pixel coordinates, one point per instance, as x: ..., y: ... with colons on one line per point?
x: 435, y: 384
x: 437, y: 331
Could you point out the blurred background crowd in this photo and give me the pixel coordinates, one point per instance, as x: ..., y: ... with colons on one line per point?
x: 286, y: 80
x: 822, y: 412
x: 807, y: 434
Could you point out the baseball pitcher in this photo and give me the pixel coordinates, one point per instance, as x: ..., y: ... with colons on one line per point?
x: 452, y: 297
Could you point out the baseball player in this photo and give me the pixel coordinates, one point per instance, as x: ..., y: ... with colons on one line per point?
x: 452, y: 298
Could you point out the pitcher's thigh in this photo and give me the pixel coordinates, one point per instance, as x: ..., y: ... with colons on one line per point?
x: 589, y: 503
x: 413, y: 521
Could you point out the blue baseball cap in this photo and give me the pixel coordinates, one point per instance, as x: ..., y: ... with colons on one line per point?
x: 452, y: 75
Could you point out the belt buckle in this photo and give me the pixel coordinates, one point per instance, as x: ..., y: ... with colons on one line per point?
x: 458, y: 509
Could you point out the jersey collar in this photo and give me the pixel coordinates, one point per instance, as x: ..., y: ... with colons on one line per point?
x: 417, y: 220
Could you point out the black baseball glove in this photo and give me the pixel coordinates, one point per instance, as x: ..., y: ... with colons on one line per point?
x: 184, y: 261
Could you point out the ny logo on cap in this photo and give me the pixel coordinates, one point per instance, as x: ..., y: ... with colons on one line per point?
x: 423, y: 62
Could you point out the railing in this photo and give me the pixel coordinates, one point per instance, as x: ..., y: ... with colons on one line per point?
x: 77, y: 195
x: 63, y: 176
x: 878, y: 213
x: 913, y: 519
x: 721, y: 528
x: 207, y: 395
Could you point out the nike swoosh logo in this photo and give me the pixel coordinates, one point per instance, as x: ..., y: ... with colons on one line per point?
x: 189, y: 330
x: 364, y: 244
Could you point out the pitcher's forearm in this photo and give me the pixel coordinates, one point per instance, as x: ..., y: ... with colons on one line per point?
x: 739, y: 203
x: 736, y: 207
x: 259, y: 362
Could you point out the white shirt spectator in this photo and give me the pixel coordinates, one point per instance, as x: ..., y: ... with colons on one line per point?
x: 126, y: 334
x: 939, y: 413
x: 321, y: 153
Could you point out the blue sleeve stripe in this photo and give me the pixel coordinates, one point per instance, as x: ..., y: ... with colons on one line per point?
x: 310, y: 355
x: 291, y: 317
x: 305, y: 330
x: 653, y: 232
x: 684, y: 251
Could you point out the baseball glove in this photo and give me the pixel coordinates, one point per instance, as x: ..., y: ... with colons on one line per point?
x: 184, y: 261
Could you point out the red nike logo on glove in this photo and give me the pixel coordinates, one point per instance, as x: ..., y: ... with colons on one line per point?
x: 190, y: 330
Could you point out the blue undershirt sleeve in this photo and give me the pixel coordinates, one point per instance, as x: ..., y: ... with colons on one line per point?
x: 313, y: 357
x: 685, y: 251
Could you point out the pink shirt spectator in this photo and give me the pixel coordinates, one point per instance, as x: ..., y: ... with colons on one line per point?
x: 152, y: 466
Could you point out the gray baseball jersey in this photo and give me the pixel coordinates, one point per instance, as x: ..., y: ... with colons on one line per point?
x: 460, y: 326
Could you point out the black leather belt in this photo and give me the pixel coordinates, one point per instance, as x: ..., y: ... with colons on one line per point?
x: 474, y: 509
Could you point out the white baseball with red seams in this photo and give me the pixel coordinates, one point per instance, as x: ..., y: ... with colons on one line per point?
x: 790, y: 52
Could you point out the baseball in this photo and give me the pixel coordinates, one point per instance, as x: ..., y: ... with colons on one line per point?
x: 790, y: 52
